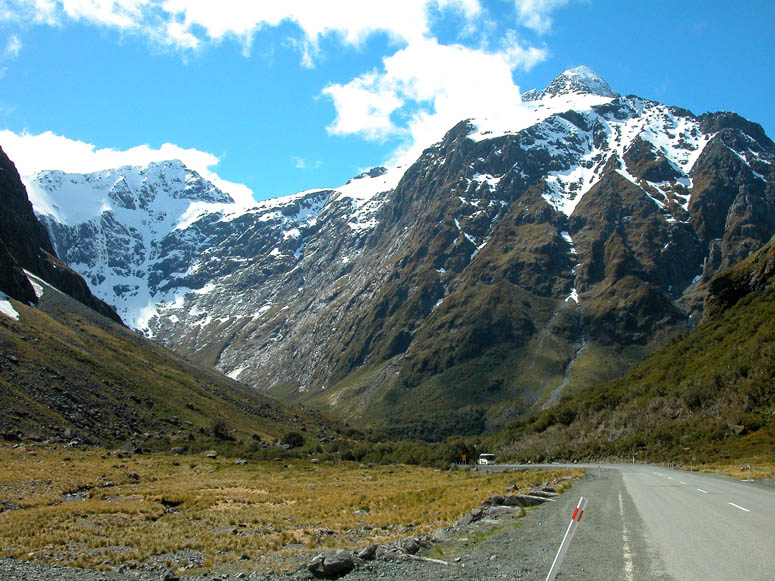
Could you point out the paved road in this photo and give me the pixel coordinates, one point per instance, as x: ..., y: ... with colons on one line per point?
x: 649, y: 522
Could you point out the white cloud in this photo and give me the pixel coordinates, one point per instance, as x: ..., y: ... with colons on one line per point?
x: 365, y: 104
x: 122, y: 14
x: 416, y: 93
x: 427, y: 87
x: 351, y: 20
x: 12, y: 48
x: 302, y: 163
x: 536, y: 14
x: 48, y: 151
x: 187, y: 24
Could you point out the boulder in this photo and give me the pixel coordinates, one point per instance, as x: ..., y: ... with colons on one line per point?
x: 411, y: 545
x: 471, y: 517
x: 522, y: 500
x: 130, y: 448
x: 369, y: 553
x: 332, y: 564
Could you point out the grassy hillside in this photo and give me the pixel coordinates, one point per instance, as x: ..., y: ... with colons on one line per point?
x: 67, y: 373
x: 708, y: 394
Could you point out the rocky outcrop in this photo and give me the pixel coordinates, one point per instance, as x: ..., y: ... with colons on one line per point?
x: 25, y: 244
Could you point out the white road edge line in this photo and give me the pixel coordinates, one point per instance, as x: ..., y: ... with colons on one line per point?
x: 703, y: 491
x: 737, y: 506
x: 628, y: 564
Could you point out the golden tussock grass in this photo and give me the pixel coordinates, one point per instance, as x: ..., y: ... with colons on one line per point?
x: 761, y: 468
x: 95, y: 510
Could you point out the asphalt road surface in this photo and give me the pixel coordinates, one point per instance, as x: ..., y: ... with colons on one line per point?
x: 649, y: 522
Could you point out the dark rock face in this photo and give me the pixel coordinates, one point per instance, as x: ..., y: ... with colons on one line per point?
x: 25, y: 242
x: 22, y: 238
x: 23, y: 234
x: 14, y: 282
x: 500, y: 270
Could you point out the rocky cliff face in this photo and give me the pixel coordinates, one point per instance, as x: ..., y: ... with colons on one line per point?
x: 514, y: 260
x: 25, y: 245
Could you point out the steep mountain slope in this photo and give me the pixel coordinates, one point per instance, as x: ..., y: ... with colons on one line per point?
x: 706, y: 394
x: 69, y: 372
x: 24, y: 244
x: 515, y: 260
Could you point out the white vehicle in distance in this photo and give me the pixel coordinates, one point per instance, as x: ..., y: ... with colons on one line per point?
x: 486, y: 458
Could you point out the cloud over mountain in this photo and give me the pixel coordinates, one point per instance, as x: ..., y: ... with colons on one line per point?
x: 443, y: 60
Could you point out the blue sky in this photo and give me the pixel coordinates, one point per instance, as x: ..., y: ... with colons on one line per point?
x: 278, y: 97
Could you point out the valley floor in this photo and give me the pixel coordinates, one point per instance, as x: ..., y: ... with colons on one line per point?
x: 93, y: 515
x: 155, y: 515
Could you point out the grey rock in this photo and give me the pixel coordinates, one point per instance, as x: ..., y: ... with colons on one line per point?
x: 471, y: 517
x: 412, y: 545
x: 368, y: 553
x: 130, y: 448
x: 514, y: 500
x: 332, y: 564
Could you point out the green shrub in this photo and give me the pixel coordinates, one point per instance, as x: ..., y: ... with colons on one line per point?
x: 293, y: 440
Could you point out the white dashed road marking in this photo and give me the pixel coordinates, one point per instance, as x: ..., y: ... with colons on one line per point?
x: 628, y: 564
x: 738, y: 506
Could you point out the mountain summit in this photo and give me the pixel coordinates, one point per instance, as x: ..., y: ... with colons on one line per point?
x: 515, y: 260
x: 579, y: 81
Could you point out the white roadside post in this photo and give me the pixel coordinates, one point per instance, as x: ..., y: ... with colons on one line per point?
x: 574, y: 522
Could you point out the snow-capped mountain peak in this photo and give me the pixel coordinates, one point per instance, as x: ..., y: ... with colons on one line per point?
x: 578, y: 89
x: 580, y: 80
x: 73, y: 198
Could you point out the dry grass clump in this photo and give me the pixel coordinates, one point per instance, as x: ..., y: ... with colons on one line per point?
x: 761, y: 468
x: 95, y: 510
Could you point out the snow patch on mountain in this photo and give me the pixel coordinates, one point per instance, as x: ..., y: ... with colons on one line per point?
x: 678, y: 138
x: 6, y: 308
x: 530, y: 113
x: 36, y: 284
